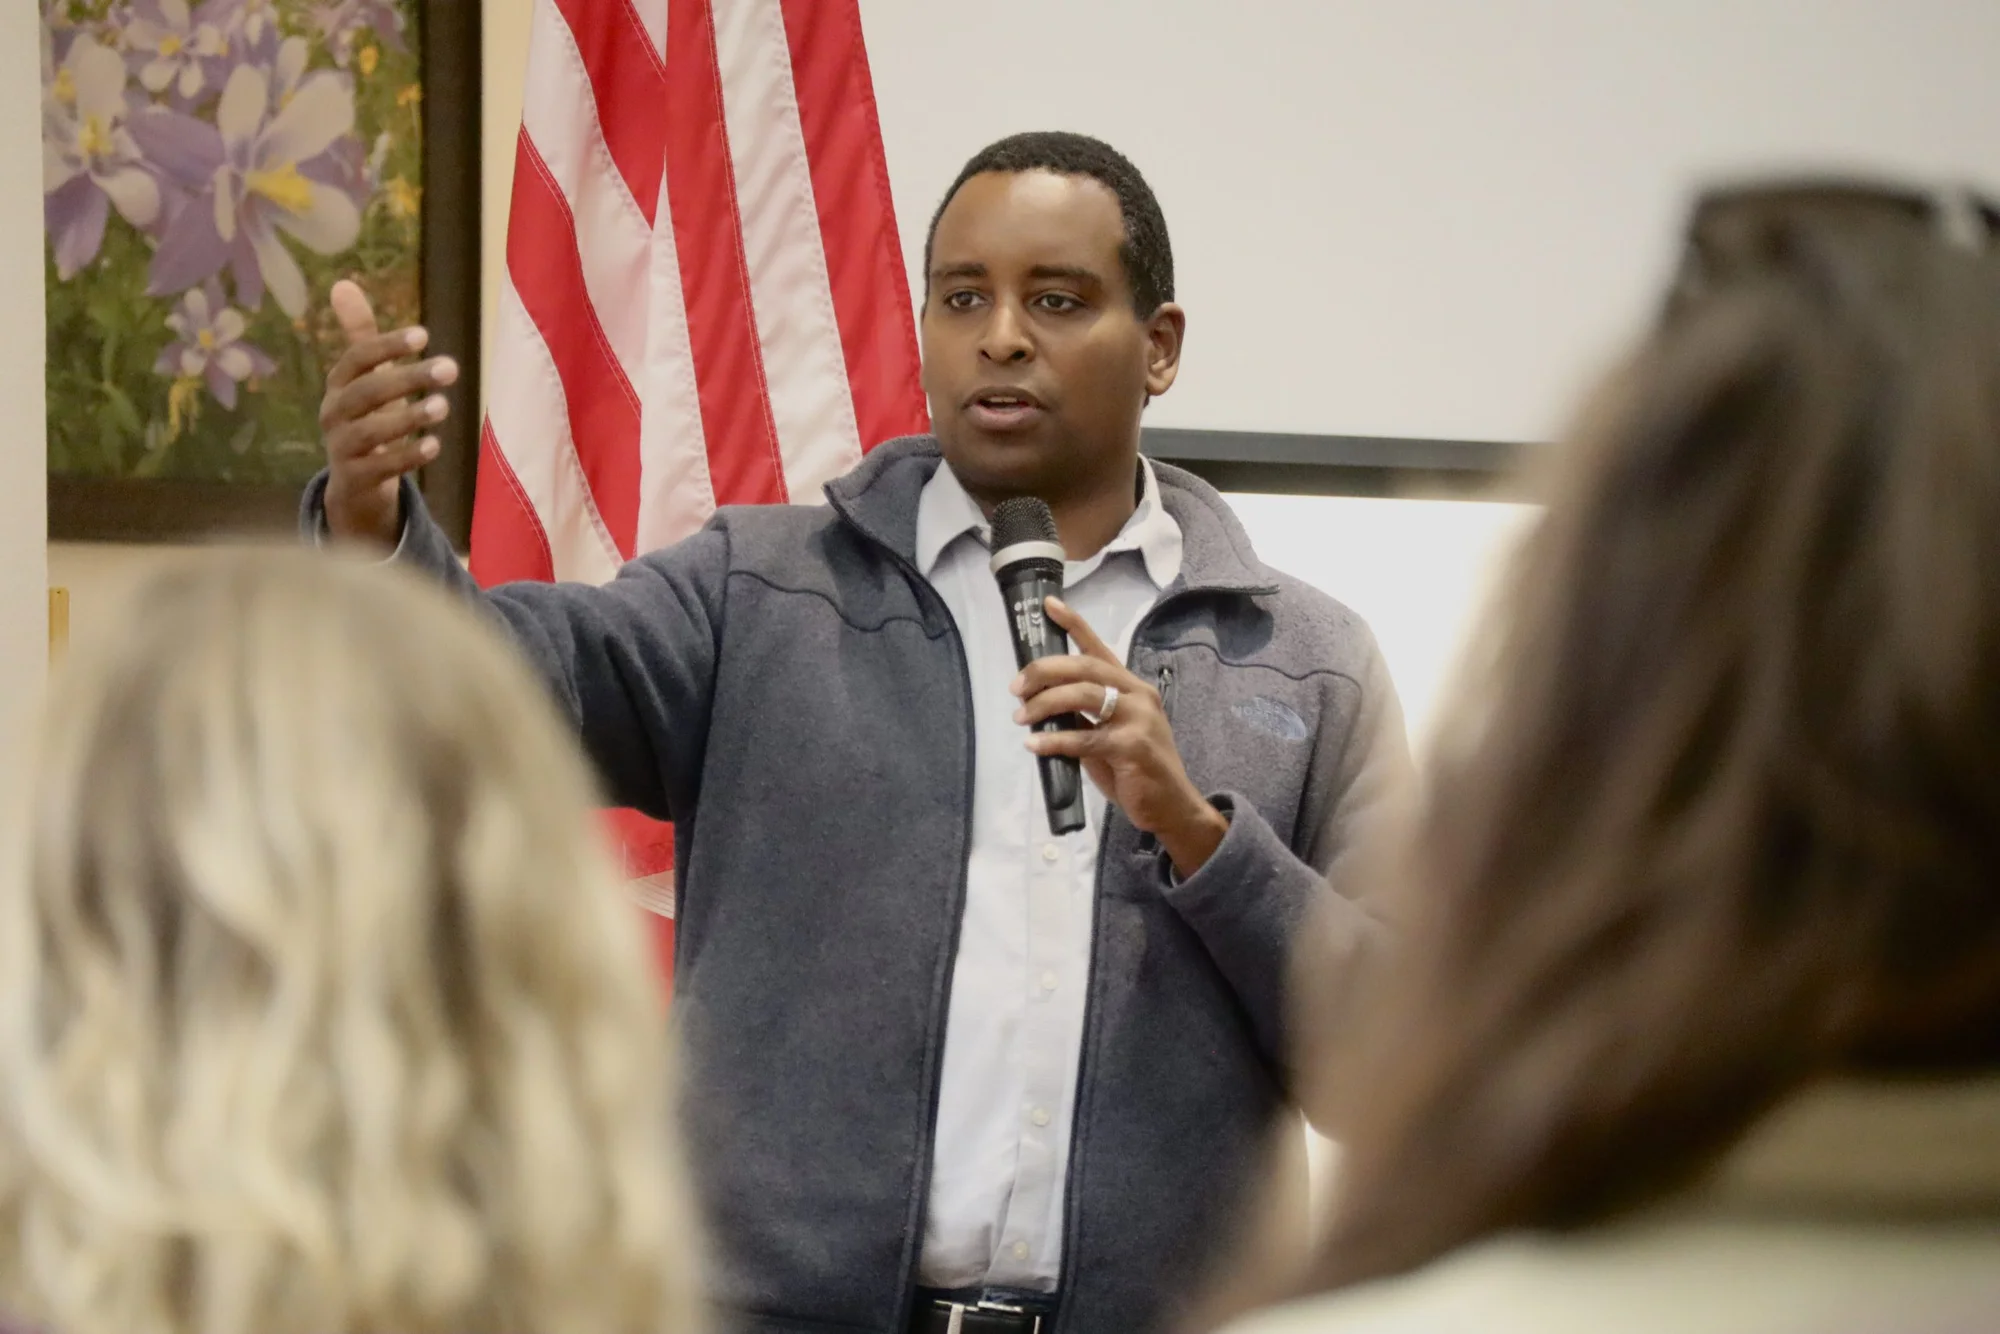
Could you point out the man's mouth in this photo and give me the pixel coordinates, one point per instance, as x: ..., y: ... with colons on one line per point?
x: 1000, y: 409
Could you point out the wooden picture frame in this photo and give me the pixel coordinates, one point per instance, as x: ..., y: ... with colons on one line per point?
x: 133, y: 509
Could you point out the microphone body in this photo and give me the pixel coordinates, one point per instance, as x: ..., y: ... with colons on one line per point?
x: 1028, y: 563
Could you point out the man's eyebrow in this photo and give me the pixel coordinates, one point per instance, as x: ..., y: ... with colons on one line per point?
x: 1073, y: 273
x: 1067, y: 272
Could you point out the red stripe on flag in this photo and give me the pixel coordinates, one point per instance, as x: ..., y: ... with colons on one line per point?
x: 508, y: 542
x: 648, y: 844
x: 857, y: 217
x: 743, y: 462
x: 629, y: 84
x: 547, y: 272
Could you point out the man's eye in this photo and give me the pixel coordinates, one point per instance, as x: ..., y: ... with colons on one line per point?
x: 961, y: 299
x: 1060, y: 302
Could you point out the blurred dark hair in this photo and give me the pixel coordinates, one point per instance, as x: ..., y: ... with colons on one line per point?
x: 1724, y: 815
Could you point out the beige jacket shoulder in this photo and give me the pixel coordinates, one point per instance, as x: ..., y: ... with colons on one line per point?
x: 1862, y: 1209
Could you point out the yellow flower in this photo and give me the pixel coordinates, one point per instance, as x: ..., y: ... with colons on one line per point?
x: 183, y: 405
x: 65, y: 88
x: 409, y: 95
x: 403, y: 198
x: 368, y: 59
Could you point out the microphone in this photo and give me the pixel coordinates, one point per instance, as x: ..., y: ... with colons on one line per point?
x: 1028, y: 562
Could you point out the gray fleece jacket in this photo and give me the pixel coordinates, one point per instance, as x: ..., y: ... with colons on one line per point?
x: 790, y: 691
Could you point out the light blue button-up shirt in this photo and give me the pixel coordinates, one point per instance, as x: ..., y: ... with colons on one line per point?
x: 1015, y: 1029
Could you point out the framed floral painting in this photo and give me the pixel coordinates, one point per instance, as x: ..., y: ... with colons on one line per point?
x: 209, y: 168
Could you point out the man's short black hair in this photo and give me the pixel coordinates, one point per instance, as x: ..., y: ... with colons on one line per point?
x: 1148, y: 259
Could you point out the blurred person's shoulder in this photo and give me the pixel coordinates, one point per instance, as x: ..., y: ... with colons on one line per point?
x: 1673, y: 1276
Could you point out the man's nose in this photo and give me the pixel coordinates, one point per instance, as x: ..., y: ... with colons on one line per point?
x: 1005, y: 338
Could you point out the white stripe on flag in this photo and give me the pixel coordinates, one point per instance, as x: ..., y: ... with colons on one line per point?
x: 653, y: 18
x: 530, y: 417
x: 612, y: 235
x: 655, y: 893
x: 804, y: 365
x: 676, y: 495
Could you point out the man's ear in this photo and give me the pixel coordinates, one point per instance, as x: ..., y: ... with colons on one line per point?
x: 1166, y: 328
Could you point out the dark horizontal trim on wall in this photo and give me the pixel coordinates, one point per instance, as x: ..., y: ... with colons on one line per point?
x: 122, y: 510
x: 1342, y: 465
x: 119, y: 509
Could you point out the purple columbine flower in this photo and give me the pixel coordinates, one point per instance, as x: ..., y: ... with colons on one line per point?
x: 58, y: 31
x: 90, y: 159
x: 175, y: 49
x: 288, y: 71
x: 338, y: 24
x: 255, y: 22
x: 261, y: 164
x: 60, y: 27
x: 208, y: 344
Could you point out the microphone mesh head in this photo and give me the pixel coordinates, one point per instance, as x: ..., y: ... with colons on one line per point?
x: 1023, y: 519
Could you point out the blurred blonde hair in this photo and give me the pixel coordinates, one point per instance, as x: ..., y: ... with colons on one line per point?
x: 321, y: 1006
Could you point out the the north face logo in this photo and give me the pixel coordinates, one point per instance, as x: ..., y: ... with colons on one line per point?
x: 1268, y: 715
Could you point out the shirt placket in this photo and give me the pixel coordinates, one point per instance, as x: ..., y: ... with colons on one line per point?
x: 1061, y: 870
x: 1051, y: 875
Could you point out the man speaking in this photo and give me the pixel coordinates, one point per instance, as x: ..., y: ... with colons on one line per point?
x: 947, y: 1069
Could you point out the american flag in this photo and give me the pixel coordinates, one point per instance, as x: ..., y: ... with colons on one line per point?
x: 705, y: 302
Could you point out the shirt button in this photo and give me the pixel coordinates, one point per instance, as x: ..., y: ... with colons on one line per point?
x: 1048, y: 980
x: 1040, y: 1116
x: 1020, y: 1250
x: 1050, y: 852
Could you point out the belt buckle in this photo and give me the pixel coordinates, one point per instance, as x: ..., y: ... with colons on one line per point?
x: 955, y: 1323
x: 1006, y: 1308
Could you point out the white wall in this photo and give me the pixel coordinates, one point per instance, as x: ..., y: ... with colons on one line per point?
x: 1427, y: 217
x: 24, y: 625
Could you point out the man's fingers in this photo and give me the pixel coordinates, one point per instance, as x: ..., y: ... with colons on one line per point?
x: 351, y: 308
x: 1047, y: 673
x: 1083, y: 743
x: 375, y: 350
x: 1077, y: 697
x: 385, y: 385
x: 1079, y: 630
x: 393, y: 461
x: 384, y: 426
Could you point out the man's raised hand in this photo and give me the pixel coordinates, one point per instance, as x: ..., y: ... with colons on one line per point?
x: 376, y: 419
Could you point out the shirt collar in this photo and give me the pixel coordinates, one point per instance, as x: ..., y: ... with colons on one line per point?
x: 946, y: 513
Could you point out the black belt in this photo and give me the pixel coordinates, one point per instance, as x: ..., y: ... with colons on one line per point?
x: 989, y: 1312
